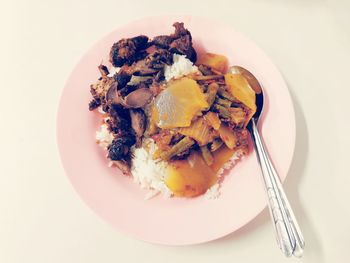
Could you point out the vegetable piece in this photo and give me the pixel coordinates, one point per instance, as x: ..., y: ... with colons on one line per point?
x: 223, y: 112
x: 213, y: 120
x: 238, y: 115
x: 224, y: 102
x: 239, y: 87
x: 208, y: 158
x: 199, y: 130
x: 205, y: 70
x: 226, y: 94
x: 209, y: 77
x: 181, y: 146
x: 211, y: 93
x: 190, y: 177
x: 179, y: 103
x: 228, y: 136
x: 215, y: 61
x: 152, y: 121
x: 216, y: 144
x: 163, y: 139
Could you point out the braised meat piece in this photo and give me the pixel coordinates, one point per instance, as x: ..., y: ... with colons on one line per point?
x: 163, y: 41
x: 94, y: 103
x: 122, y: 78
x: 138, y: 98
x: 128, y: 50
x: 119, y: 122
x: 183, y: 46
x: 138, y: 123
x: 103, y: 70
x: 119, y: 149
x: 180, y: 30
x: 180, y: 42
x: 130, y: 96
x: 100, y: 88
x: 151, y: 65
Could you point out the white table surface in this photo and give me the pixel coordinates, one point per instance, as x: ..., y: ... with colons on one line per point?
x: 41, y: 217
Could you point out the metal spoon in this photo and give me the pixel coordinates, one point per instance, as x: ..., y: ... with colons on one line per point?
x: 288, y: 234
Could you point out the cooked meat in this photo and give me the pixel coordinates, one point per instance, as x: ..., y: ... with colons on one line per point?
x: 138, y: 98
x: 138, y: 123
x: 180, y: 30
x: 128, y: 50
x: 160, y: 76
x: 122, y: 78
x: 112, y: 94
x: 119, y: 122
x: 163, y: 41
x: 127, y: 90
x: 100, y: 88
x: 141, y: 42
x: 94, y: 103
x: 183, y: 46
x: 205, y: 70
x: 142, y: 68
x: 120, y: 148
x: 129, y: 96
x: 152, y: 64
x: 180, y: 42
x: 103, y: 70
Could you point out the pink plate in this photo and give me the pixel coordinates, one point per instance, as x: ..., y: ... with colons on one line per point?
x: 173, y: 221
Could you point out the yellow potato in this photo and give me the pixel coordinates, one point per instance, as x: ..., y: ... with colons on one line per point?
x: 214, y: 61
x: 190, y: 177
x: 239, y: 87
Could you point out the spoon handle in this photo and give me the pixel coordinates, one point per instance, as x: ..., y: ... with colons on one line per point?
x: 288, y: 234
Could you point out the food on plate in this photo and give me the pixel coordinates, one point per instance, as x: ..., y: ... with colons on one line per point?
x: 172, y: 119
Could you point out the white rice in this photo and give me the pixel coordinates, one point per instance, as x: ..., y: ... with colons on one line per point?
x: 147, y: 172
x: 103, y: 136
x: 181, y: 67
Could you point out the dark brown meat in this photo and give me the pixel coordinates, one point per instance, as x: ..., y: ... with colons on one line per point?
x: 180, y: 42
x: 152, y: 64
x: 163, y: 41
x: 99, y: 89
x: 119, y: 149
x: 183, y: 46
x: 119, y: 122
x: 138, y: 123
x: 180, y: 30
x: 103, y: 70
x: 122, y: 78
x: 206, y: 71
x: 94, y: 103
x: 138, y: 98
x: 128, y: 50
